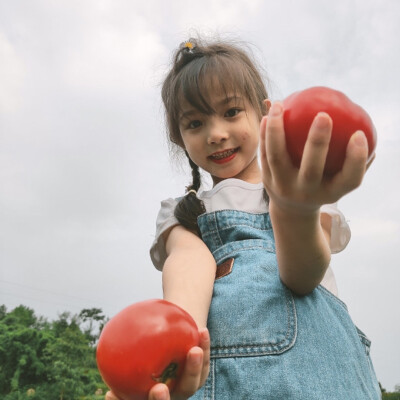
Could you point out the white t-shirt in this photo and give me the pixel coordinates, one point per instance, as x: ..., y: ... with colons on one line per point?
x: 236, y: 194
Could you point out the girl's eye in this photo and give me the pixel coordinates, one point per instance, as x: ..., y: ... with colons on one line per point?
x: 194, y: 124
x: 232, y: 112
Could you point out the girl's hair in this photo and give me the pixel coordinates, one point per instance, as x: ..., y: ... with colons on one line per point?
x: 196, y: 66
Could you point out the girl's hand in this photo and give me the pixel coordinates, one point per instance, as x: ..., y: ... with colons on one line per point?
x: 194, y: 375
x: 305, y: 189
x: 110, y: 396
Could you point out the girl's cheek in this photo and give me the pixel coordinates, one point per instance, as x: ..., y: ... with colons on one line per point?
x: 245, y: 136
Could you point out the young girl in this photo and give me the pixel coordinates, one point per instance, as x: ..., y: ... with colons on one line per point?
x: 249, y: 259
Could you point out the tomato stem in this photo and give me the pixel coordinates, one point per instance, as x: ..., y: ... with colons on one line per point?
x: 168, y: 374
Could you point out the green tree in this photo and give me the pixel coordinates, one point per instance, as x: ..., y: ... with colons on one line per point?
x: 22, y: 342
x: 68, y: 354
x: 94, y: 322
x: 48, y: 360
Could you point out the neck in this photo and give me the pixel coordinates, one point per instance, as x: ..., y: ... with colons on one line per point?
x: 251, y: 174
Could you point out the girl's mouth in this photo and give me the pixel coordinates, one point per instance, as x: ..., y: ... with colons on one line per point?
x: 222, y: 157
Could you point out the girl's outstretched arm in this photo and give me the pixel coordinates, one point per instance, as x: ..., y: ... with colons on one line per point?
x: 188, y: 273
x: 188, y: 280
x: 296, y: 195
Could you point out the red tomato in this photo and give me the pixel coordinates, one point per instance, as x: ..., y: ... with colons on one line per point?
x: 145, y: 343
x: 300, y: 108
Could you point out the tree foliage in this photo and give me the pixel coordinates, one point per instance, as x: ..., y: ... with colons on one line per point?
x: 49, y: 360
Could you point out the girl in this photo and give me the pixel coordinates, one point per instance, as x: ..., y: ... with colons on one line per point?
x: 249, y: 259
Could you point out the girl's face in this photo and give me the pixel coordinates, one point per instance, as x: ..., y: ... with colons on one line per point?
x: 225, y: 142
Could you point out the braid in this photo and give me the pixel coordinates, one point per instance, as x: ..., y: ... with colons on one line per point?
x: 190, y: 206
x: 195, y: 175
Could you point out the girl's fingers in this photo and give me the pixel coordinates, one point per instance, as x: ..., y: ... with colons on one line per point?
x: 205, y: 346
x: 159, y: 392
x: 110, y: 396
x: 277, y: 156
x: 371, y: 160
x: 263, y: 127
x: 355, y: 163
x: 263, y: 152
x: 315, y: 151
x: 190, y: 380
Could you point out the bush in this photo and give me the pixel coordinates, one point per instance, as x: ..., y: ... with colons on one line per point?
x: 48, y: 361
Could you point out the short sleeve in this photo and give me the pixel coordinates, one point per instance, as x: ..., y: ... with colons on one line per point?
x: 165, y: 220
x: 340, y: 230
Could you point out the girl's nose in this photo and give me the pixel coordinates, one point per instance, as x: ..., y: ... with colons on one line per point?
x: 217, y: 133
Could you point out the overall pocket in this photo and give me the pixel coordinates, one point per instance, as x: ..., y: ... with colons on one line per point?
x: 252, y: 313
x: 365, y: 341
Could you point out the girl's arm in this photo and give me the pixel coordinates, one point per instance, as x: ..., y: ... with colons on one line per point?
x: 188, y: 281
x: 302, y: 249
x: 296, y: 195
x: 188, y: 273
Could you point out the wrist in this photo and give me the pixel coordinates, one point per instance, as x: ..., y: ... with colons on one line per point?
x: 293, y: 211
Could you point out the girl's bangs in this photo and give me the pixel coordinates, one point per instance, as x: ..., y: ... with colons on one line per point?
x: 205, y: 77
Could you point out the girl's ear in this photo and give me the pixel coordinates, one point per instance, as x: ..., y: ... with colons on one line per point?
x: 267, y: 103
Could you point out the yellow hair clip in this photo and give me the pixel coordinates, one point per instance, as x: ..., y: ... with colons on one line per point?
x: 188, y: 46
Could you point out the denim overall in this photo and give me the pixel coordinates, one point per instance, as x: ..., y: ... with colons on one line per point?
x: 268, y: 343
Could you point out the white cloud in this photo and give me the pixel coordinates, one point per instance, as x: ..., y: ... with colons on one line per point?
x: 211, y: 14
x: 12, y: 75
x: 109, y: 58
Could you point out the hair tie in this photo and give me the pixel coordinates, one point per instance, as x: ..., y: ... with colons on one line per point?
x: 188, y: 46
x: 191, y: 191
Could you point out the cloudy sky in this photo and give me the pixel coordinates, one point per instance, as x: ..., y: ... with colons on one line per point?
x: 84, y: 163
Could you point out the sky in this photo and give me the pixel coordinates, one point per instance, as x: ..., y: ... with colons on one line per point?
x: 84, y: 161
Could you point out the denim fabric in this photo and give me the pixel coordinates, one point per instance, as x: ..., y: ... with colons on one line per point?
x: 268, y: 343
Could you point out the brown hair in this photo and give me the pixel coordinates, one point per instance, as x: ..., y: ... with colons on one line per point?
x: 195, y: 64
